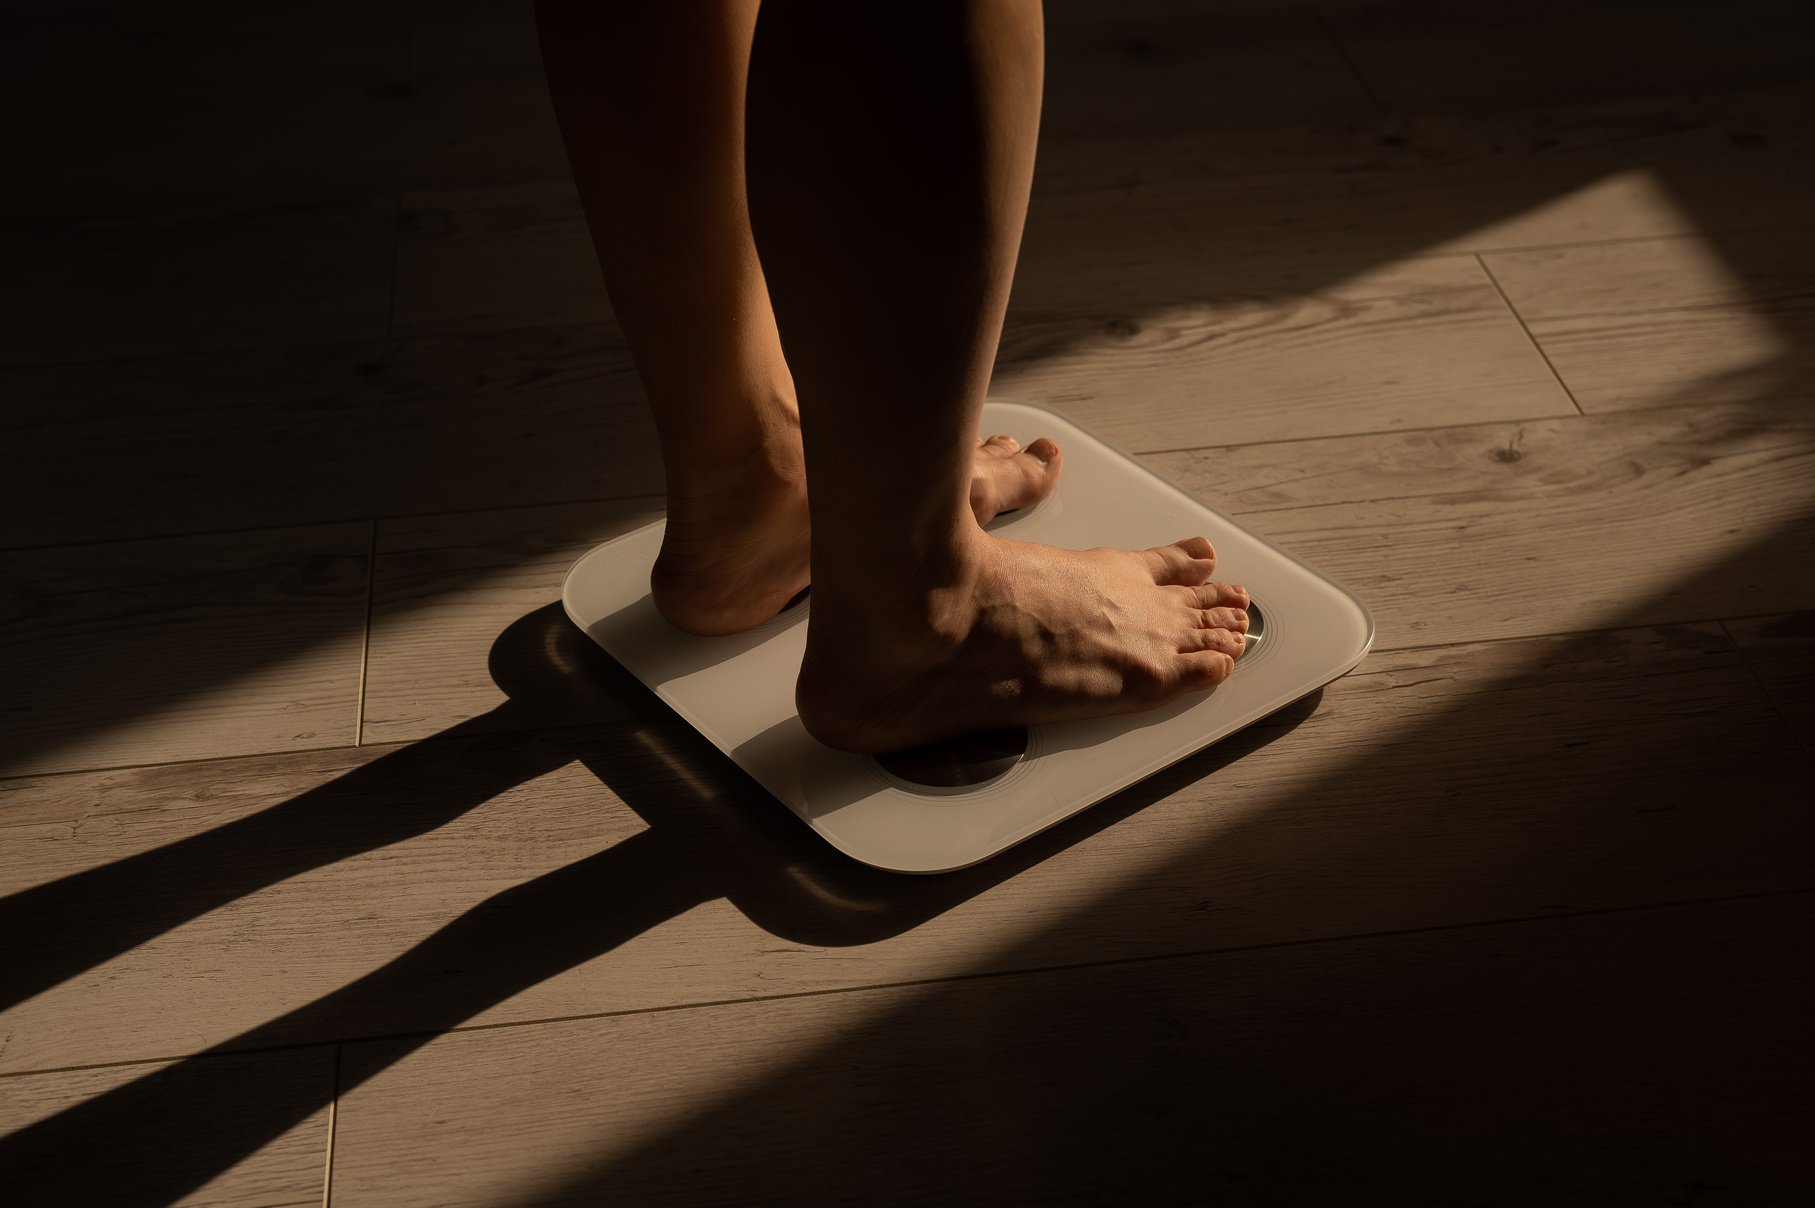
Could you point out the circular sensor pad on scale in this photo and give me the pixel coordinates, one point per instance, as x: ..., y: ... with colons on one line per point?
x: 1257, y: 630
x: 957, y: 763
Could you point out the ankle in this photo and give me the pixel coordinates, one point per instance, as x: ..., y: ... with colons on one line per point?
x: 753, y: 452
x: 918, y: 601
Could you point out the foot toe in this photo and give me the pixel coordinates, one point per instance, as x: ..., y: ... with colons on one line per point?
x: 1227, y: 641
x: 1216, y: 594
x: 1010, y: 477
x: 1233, y: 619
x: 1205, y: 669
x: 1187, y: 563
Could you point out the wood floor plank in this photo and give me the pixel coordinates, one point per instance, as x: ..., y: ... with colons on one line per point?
x: 1781, y: 652
x: 1128, y: 73
x: 1666, y: 322
x: 249, y: 111
x: 1764, y: 271
x: 1505, y: 530
x: 1109, y: 71
x: 84, y: 290
x: 332, y: 432
x: 1632, y: 1058
x: 1165, y: 210
x: 476, y: 127
x: 490, y: 878
x: 111, y: 19
x: 1684, y: 359
x: 154, y: 1132
x: 1156, y: 268
x: 1253, y: 351
x: 182, y: 648
x: 1413, y: 344
x: 1153, y: 217
x: 441, y: 586
x: 1418, y: 56
x: 508, y: 255
x: 242, y: 43
x: 132, y: 114
x: 474, y: 35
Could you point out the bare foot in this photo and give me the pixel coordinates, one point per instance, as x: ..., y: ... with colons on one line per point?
x: 1022, y: 634
x: 736, y: 548
x: 733, y: 557
x: 1004, y: 476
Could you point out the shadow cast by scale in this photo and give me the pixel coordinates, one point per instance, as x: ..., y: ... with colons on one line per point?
x: 711, y: 833
x: 1577, y: 1050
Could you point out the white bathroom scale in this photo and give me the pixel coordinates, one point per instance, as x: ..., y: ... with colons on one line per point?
x: 954, y: 804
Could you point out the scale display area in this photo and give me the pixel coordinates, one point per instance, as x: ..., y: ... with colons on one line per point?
x: 952, y: 805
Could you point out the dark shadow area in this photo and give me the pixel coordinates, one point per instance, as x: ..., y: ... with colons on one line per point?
x: 1651, y: 1060
x: 731, y: 840
x: 1603, y: 1055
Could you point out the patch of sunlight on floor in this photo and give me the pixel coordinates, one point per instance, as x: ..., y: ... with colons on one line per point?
x: 1621, y: 205
x: 255, y: 707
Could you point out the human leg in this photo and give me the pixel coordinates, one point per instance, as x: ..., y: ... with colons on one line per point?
x: 891, y: 154
x: 651, y: 102
x: 650, y: 98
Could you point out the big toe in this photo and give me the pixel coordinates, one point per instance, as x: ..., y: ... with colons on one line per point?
x: 1010, y: 477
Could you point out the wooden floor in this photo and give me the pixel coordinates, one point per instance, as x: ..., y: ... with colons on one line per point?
x: 338, y: 869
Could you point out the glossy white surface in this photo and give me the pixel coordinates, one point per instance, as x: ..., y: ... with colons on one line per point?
x: 739, y: 691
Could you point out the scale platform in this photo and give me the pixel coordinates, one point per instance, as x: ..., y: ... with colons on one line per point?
x: 952, y: 805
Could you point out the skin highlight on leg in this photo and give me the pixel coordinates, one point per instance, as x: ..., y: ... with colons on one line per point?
x: 890, y: 158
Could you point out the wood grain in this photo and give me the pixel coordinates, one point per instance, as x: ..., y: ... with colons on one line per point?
x: 182, y: 648
x: 494, y: 878
x: 135, y: 114
x: 1416, y: 343
x: 1781, y: 652
x: 1762, y: 271
x: 1505, y: 530
x: 1338, y: 201
x: 329, y: 432
x: 268, y: 108
x: 1150, y: 219
x: 1418, y: 56
x: 1662, y: 322
x: 446, y: 588
x: 1615, y: 1059
x: 1695, y: 358
x: 474, y: 35
x: 1136, y: 73
x: 154, y: 1129
x: 508, y: 255
x: 102, y: 288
